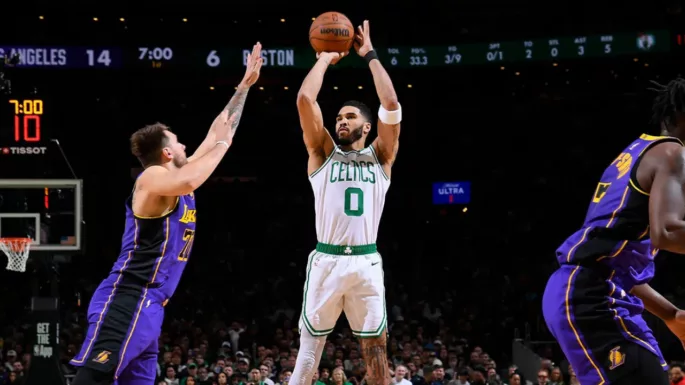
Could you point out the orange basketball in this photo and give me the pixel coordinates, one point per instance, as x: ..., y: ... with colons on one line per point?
x: 331, y: 32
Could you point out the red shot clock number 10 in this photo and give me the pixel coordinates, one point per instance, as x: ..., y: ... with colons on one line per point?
x: 27, y: 120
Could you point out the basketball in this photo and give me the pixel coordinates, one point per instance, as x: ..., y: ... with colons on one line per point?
x: 331, y: 32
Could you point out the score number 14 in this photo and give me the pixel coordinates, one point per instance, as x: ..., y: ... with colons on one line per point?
x: 99, y: 58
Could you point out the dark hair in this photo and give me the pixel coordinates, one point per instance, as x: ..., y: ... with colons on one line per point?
x: 364, y: 110
x: 670, y: 100
x: 520, y: 374
x: 148, y: 142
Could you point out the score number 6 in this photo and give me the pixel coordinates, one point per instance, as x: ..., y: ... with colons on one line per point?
x: 213, y: 59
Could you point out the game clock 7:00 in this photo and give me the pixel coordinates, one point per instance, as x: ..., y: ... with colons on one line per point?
x: 416, y: 56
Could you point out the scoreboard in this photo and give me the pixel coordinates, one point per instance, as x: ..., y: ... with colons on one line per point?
x: 415, y: 56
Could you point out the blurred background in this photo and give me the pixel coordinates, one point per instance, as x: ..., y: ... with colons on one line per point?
x: 521, y: 104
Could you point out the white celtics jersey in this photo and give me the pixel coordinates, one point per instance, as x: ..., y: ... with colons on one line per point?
x: 349, y: 195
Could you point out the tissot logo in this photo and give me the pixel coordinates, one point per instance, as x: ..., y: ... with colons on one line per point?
x: 23, y: 150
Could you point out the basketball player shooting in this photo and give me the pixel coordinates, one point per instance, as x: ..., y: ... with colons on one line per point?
x: 345, y: 272
x: 593, y: 303
x: 126, y: 312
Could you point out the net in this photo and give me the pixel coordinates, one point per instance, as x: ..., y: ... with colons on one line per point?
x: 17, y: 252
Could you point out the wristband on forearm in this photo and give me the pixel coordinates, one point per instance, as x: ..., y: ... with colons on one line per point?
x: 370, y: 56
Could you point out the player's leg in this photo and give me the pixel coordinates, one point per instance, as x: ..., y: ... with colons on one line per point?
x: 365, y: 310
x: 579, y: 306
x: 321, y: 308
x: 143, y: 369
x: 110, y: 317
x: 138, y: 363
x: 646, y: 367
x: 308, y: 358
x: 563, y: 289
x: 89, y: 376
x: 131, y: 326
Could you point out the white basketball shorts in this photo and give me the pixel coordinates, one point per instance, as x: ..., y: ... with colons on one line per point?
x: 350, y: 283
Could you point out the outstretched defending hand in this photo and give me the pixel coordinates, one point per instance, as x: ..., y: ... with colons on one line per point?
x: 362, y: 43
x: 254, y: 64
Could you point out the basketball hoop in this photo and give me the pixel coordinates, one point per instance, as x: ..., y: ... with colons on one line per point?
x: 17, y: 252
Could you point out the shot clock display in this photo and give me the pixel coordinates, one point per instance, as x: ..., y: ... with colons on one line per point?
x: 22, y: 128
x: 27, y: 121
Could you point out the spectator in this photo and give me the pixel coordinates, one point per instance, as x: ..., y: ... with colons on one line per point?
x: 556, y: 377
x: 170, y: 376
x: 462, y: 378
x: 315, y: 378
x: 543, y: 377
x: 572, y: 379
x: 338, y: 377
x: 676, y: 374
x: 516, y: 378
x: 11, y: 359
x: 479, y: 375
x: 191, y: 371
x: 400, y: 377
x: 265, y: 373
x: 493, y: 377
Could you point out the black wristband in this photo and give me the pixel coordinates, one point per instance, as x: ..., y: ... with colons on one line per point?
x: 370, y: 56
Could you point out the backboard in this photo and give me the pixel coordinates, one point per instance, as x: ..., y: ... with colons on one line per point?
x: 49, y: 211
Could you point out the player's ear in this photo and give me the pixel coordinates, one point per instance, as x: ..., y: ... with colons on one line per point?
x: 166, y: 151
x: 367, y: 127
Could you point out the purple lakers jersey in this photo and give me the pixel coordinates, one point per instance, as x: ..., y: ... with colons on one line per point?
x: 154, y: 251
x: 616, y: 228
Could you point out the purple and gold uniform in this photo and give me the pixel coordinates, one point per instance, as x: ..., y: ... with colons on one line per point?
x: 587, y: 304
x: 126, y: 312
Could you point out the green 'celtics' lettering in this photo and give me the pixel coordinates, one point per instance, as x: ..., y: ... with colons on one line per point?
x: 352, y: 172
x: 354, y: 202
x: 369, y: 168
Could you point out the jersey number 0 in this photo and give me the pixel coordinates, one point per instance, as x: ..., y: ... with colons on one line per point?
x: 354, y: 202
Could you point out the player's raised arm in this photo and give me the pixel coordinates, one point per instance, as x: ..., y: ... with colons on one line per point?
x: 158, y: 180
x: 390, y: 112
x: 317, y: 139
x: 667, y: 200
x: 237, y: 102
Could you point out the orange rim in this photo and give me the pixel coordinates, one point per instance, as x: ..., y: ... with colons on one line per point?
x: 16, y: 244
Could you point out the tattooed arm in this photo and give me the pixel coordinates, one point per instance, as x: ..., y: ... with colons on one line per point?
x: 236, y: 104
x: 375, y: 353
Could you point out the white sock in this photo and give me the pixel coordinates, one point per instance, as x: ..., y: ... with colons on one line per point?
x: 308, y: 357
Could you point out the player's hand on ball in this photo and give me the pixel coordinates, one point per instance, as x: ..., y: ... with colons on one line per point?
x: 331, y: 57
x: 362, y: 43
x: 254, y: 65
